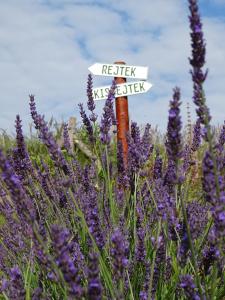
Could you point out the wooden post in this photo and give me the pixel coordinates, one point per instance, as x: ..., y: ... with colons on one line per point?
x: 122, y: 117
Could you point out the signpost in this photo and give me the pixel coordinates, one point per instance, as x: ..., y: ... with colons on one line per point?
x: 120, y: 72
x: 124, y: 89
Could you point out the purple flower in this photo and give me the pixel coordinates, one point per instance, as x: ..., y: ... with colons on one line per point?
x: 197, y: 215
x: 139, y: 149
x: 91, y: 103
x: 61, y: 245
x: 66, y: 138
x: 197, y: 61
x: 173, y: 140
x: 196, y: 136
x: 214, y: 192
x: 222, y: 135
x: 20, y: 157
x: 87, y: 123
x: 146, y: 145
x: 209, y: 256
x: 14, y: 287
x: 47, y: 137
x: 122, y: 177
x: 119, y: 254
x: 108, y: 118
x: 24, y: 205
x: 89, y: 202
x: 140, y: 251
x: 157, y: 169
x: 94, y: 284
x: 189, y: 287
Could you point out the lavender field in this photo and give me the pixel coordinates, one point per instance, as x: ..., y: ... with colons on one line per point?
x: 98, y: 226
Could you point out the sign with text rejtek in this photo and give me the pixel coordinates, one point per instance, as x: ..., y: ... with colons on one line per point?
x: 124, y: 89
x: 117, y: 70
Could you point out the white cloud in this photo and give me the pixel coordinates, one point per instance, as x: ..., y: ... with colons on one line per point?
x: 47, y: 46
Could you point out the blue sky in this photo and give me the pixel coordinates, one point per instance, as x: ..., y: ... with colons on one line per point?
x: 46, y: 47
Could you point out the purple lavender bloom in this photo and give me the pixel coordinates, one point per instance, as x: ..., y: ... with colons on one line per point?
x: 20, y: 139
x: 214, y: 193
x: 20, y: 157
x: 189, y: 287
x: 186, y: 160
x: 146, y: 145
x: 135, y: 133
x: 209, y: 256
x: 61, y: 246
x: 140, y: 251
x: 197, y: 215
x: 173, y: 141
x: 197, y: 61
x: 46, y: 136
x: 16, y: 286
x: 184, y: 247
x: 122, y: 177
x: 119, y: 254
x: 94, y: 284
x: 89, y: 202
x: 66, y: 139
x: 157, y: 169
x: 87, y: 123
x: 222, y: 135
x: 144, y: 292
x: 108, y: 118
x: 24, y: 205
x: 93, y: 221
x: 160, y: 261
x: 91, y: 103
x: 196, y: 136
x: 33, y: 111
x: 170, y: 177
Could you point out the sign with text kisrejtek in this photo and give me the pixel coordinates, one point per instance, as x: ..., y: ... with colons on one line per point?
x: 124, y: 89
x: 117, y: 70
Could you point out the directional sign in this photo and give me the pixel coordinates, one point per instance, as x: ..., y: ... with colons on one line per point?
x: 124, y: 89
x: 117, y: 70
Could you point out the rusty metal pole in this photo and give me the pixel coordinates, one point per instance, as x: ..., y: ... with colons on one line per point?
x: 122, y: 116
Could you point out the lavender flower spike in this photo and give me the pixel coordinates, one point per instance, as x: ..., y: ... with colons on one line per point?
x: 61, y: 245
x: 197, y: 61
x: 189, y: 287
x: 15, y: 285
x: 86, y: 123
x: 118, y: 253
x: 66, y: 139
x: 108, y: 118
x: 91, y: 103
x: 173, y: 143
x: 94, y: 283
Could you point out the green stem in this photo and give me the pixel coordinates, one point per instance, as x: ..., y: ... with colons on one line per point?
x: 153, y: 261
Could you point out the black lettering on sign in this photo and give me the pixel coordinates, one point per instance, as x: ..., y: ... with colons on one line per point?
x: 130, y: 86
x: 132, y: 72
x: 142, y: 89
x: 121, y: 68
x: 102, y: 95
x: 125, y: 90
x: 136, y: 88
x: 110, y: 70
x: 127, y: 73
x: 104, y: 69
x: 117, y: 70
x: 118, y: 91
x: 96, y: 96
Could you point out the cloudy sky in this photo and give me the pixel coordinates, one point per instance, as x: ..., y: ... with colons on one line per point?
x: 46, y: 47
